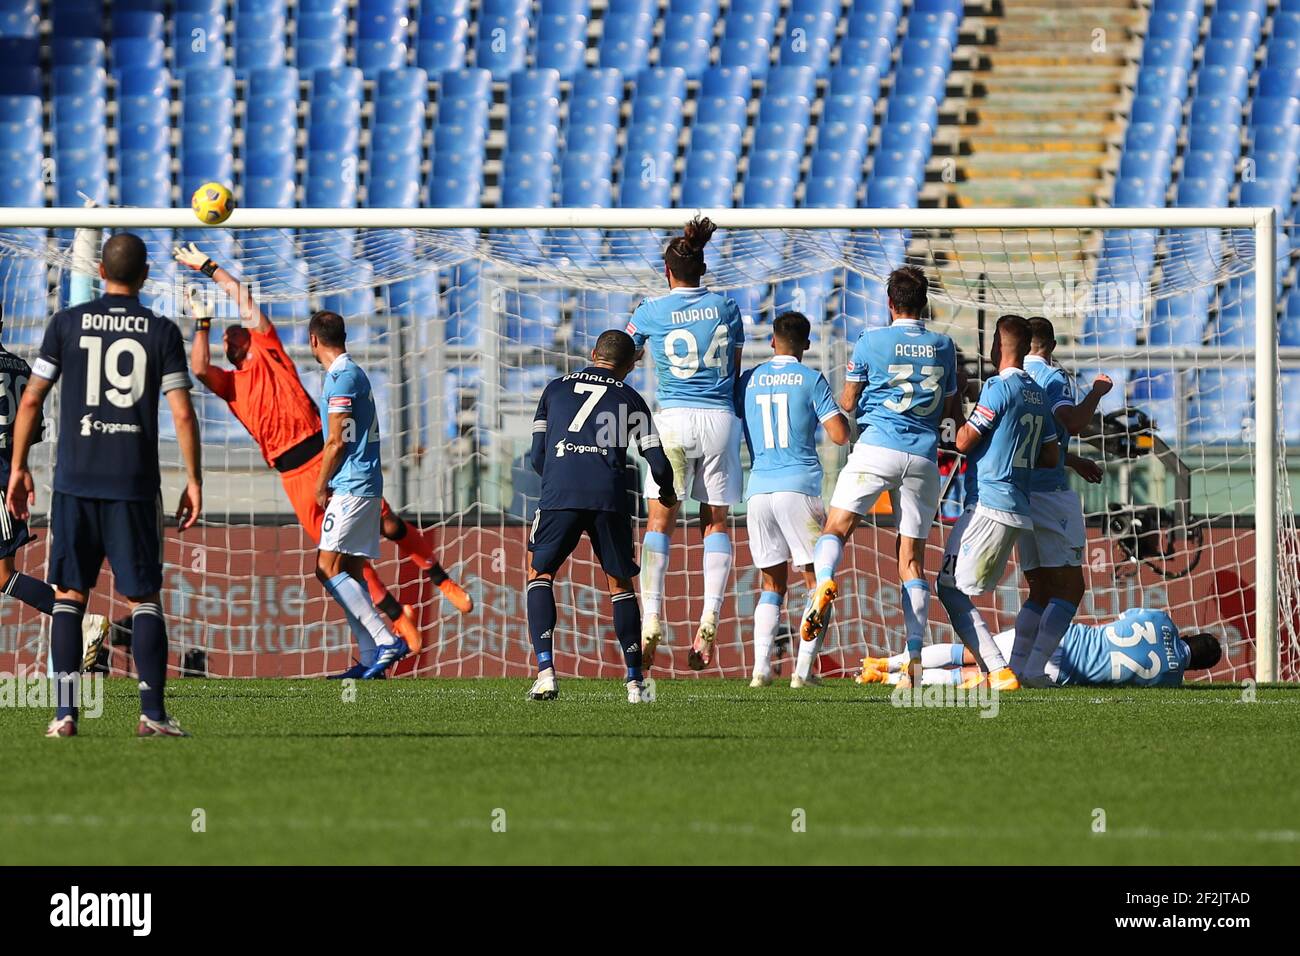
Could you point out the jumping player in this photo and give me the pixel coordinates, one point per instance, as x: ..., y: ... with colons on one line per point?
x: 1052, y: 557
x: 584, y: 425
x: 695, y: 338
x: 1142, y: 648
x: 266, y: 395
x: 15, y: 373
x: 115, y: 357
x: 902, y: 382
x: 1004, y: 440
x: 349, y: 491
x: 784, y: 403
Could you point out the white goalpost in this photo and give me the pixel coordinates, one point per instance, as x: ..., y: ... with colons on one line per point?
x: 463, y: 313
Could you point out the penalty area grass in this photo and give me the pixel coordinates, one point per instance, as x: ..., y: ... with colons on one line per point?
x: 470, y: 772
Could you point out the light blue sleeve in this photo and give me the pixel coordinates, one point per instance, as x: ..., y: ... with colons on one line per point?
x: 735, y: 324
x: 860, y: 362
x: 992, y: 403
x: 950, y: 370
x: 641, y: 324
x: 1058, y: 391
x: 823, y: 401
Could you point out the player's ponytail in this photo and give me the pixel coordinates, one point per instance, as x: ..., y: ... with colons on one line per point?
x: 685, y: 253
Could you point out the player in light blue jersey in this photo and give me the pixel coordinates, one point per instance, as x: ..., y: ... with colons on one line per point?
x: 901, y: 384
x: 1004, y: 440
x: 695, y: 338
x: 1052, y: 556
x: 783, y: 404
x: 1143, y: 648
x: 350, y: 490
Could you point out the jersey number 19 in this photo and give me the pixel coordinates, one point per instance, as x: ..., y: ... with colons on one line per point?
x: 126, y: 387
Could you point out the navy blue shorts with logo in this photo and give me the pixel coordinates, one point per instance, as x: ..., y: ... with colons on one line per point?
x: 556, y: 533
x: 85, y: 531
x: 13, y: 533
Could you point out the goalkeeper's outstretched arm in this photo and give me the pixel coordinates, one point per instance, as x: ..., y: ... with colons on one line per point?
x: 249, y: 313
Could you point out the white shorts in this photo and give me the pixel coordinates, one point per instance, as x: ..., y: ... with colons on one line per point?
x: 784, y: 526
x: 351, y: 525
x: 978, y: 548
x: 912, y: 483
x: 1059, y: 535
x: 703, y: 446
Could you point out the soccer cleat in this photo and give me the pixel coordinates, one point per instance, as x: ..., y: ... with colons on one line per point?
x: 389, y: 655
x: 355, y: 672
x: 798, y: 683
x: 545, y: 688
x: 456, y: 596
x: 819, y: 611
x: 974, y: 680
x: 94, y: 628
x: 701, y: 653
x: 408, y: 629
x: 760, y: 680
x: 1004, y: 679
x: 914, y: 671
x: 870, y: 674
x: 62, y: 727
x: 634, y: 695
x: 148, y: 727
x: 652, y: 632
x: 876, y: 663
x: 1039, y: 682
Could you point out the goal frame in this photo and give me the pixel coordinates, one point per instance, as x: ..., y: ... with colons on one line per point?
x: 1261, y: 220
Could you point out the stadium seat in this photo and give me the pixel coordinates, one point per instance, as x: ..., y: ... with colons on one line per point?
x: 726, y: 81
x: 687, y: 42
x: 1180, y: 319
x: 1157, y: 110
x: 562, y: 43
x: 269, y: 192
x: 198, y: 41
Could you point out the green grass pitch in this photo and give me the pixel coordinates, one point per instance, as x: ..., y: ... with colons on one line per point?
x: 418, y: 772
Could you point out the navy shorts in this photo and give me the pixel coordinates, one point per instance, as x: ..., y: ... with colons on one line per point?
x: 13, y: 533
x: 85, y: 531
x: 556, y: 533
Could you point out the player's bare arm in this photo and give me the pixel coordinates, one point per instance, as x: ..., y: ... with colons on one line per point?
x: 1076, y: 417
x: 850, y: 394
x: 837, y: 429
x: 1087, y: 469
x: 249, y: 313
x: 187, y: 436
x: 332, y: 457
x: 21, y: 494
x: 968, y: 438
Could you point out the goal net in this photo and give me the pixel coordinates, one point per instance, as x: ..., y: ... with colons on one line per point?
x: 461, y: 317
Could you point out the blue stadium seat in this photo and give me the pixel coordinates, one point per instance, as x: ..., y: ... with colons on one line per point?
x: 1180, y: 319
x: 769, y: 193
x: 837, y: 164
x: 726, y: 81
x: 788, y: 80
x: 831, y: 192
x: 1223, y: 81
x: 898, y: 164
x: 896, y: 193
x: 1213, y: 136
x: 375, y: 56
x: 502, y: 44
x: 1210, y: 164
x: 1236, y: 24
x: 1228, y: 51
x: 721, y: 109
x: 215, y: 81
x: 724, y: 137
x: 1168, y: 51
x: 784, y: 109
x: 1274, y: 110
x: 753, y: 54
x: 866, y: 51
x: 207, y: 167
x: 907, y: 136
x: 331, y: 192
x: 1216, y: 109
x: 269, y: 192
x: 21, y: 137
x: 923, y: 110
x: 595, y: 98
x: 924, y: 81
x: 198, y: 41
x: 280, y: 82
x: 789, y: 137
x: 1174, y: 24
x: 1158, y: 110
x: 1220, y: 412
x: 1279, y: 81
x: 130, y: 22
x: 1152, y: 136
x: 813, y: 48
x: 86, y: 51
x: 1283, y: 52
x: 24, y: 290
x: 562, y: 43
x: 1162, y: 81
x: 311, y: 56
x: 397, y: 165
x: 687, y: 42
x: 708, y: 192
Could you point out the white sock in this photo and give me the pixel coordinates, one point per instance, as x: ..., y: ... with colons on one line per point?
x: 717, y: 569
x: 349, y: 593
x: 969, y: 625
x: 654, y: 568
x: 767, y: 618
x: 916, y: 613
x: 932, y: 655
x: 808, y: 651
x: 1056, y: 620
x: 826, y: 556
x: 932, y: 675
x: 989, y: 652
x: 1026, y: 633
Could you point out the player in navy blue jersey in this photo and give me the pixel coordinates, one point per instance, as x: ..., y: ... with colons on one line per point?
x: 114, y: 357
x: 15, y: 373
x: 784, y: 406
x: 584, y: 425
x: 1004, y: 440
x: 695, y: 337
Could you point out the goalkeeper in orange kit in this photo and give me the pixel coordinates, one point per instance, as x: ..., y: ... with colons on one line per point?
x: 266, y: 395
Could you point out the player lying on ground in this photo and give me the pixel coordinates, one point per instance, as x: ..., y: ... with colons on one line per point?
x: 1143, y: 647
x: 266, y: 395
x: 350, y: 493
x: 115, y: 357
x: 584, y: 424
x: 902, y: 383
x: 784, y: 402
x: 695, y: 338
x: 1004, y: 440
x: 1052, y: 556
x: 15, y: 373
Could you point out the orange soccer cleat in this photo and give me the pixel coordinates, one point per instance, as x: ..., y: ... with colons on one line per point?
x: 408, y: 629
x: 456, y: 596
x: 973, y: 679
x: 869, y: 674
x: 1004, y: 679
x: 819, y: 614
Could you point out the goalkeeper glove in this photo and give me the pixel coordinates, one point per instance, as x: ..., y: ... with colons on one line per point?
x: 198, y: 310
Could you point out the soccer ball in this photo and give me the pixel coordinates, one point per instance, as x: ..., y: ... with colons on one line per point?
x: 212, y: 204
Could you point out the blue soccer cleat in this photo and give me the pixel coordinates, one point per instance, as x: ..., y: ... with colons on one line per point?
x: 388, y: 656
x: 355, y: 672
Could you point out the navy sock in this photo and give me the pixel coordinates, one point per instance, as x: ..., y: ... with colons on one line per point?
x: 31, y: 591
x: 149, y: 648
x: 541, y: 621
x: 437, y: 574
x: 627, y: 628
x: 65, y: 654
